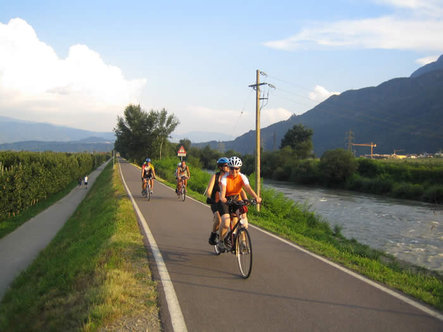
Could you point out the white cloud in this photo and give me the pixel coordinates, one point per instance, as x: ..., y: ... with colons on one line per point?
x: 273, y: 115
x: 320, y: 94
x: 81, y: 90
x: 417, y: 27
x: 426, y: 60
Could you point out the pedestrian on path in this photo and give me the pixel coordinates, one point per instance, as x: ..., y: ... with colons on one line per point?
x: 86, y: 181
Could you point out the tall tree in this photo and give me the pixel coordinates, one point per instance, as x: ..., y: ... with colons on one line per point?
x: 139, y: 133
x: 299, y: 138
x: 166, y: 125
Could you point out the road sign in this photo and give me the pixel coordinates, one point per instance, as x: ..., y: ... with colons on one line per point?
x: 181, y: 152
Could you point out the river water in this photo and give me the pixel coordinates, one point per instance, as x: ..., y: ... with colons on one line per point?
x: 411, y: 231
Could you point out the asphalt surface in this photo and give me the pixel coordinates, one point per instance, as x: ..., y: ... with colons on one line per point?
x: 288, y: 290
x: 19, y: 248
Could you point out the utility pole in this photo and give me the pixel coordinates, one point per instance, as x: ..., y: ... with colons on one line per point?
x: 256, y: 87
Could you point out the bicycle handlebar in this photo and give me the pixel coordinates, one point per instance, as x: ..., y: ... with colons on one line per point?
x: 241, y: 203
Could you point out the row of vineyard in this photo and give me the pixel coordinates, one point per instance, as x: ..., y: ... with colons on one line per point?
x: 29, y: 177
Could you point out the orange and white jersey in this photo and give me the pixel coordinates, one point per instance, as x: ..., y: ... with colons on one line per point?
x: 234, y: 185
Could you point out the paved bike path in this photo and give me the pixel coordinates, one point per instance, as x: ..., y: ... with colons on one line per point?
x: 289, y: 289
x: 19, y: 248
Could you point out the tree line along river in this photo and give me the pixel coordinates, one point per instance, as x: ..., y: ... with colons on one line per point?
x: 411, y: 231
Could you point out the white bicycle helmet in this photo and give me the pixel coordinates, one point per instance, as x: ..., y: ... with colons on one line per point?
x: 235, y: 162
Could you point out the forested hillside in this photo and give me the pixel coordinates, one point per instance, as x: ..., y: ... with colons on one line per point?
x: 403, y: 113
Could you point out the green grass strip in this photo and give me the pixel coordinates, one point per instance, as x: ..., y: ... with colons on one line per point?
x: 94, y: 275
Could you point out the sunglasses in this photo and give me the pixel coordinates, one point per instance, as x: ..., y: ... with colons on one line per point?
x: 225, y: 165
x: 234, y: 168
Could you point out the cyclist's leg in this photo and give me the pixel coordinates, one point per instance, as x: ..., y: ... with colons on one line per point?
x: 217, y: 222
x: 224, y: 226
x: 244, y: 217
x: 245, y: 225
x: 151, y: 182
x: 178, y: 185
x: 213, y: 237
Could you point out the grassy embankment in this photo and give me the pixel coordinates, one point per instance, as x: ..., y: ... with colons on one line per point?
x: 296, y: 223
x: 93, y: 275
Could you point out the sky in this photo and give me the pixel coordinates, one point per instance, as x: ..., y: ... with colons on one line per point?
x: 81, y: 63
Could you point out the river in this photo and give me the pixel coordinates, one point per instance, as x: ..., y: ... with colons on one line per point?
x: 411, y: 231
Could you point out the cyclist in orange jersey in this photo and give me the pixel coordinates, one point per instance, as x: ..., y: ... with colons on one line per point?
x: 232, y: 184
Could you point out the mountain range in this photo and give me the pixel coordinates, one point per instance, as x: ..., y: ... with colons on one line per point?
x: 400, y: 114
x: 35, y: 136
x: 14, y: 130
x: 90, y: 144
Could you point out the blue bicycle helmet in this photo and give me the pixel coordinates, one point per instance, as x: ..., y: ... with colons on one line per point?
x: 148, y: 160
x: 222, y: 160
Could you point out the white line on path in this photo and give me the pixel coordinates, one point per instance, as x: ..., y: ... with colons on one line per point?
x: 177, y: 319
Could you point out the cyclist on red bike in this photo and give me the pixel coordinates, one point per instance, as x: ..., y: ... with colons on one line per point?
x: 232, y: 184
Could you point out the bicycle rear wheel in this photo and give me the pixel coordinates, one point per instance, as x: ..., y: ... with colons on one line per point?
x: 243, y: 251
x: 148, y: 192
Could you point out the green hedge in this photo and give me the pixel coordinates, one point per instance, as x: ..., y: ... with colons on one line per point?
x: 29, y: 177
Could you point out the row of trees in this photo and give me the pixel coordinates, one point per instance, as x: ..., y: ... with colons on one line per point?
x: 140, y: 134
x: 29, y: 177
x: 295, y: 162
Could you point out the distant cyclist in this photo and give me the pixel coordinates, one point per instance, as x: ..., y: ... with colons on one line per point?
x: 148, y: 174
x: 231, y: 188
x: 213, y: 194
x: 184, y: 174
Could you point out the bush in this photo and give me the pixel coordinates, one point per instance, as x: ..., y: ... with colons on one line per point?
x: 434, y: 194
x: 381, y: 185
x: 336, y: 166
x: 279, y: 174
x: 367, y: 167
x: 305, y: 172
x: 408, y: 191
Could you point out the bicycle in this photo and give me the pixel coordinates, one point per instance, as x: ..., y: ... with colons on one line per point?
x: 238, y: 240
x: 182, y: 191
x: 147, y: 192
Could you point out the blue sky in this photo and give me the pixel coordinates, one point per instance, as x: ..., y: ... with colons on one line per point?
x: 80, y: 63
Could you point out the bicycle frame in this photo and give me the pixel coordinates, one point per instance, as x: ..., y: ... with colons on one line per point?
x: 239, y: 224
x: 182, y: 187
x: 238, y: 240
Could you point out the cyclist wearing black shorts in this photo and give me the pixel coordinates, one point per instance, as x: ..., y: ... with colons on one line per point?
x: 213, y: 194
x: 148, y: 173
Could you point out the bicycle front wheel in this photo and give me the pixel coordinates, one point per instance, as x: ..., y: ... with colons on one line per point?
x: 243, y: 251
x: 183, y: 193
